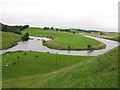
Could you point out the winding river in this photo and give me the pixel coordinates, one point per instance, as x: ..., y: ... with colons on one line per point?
x: 36, y: 45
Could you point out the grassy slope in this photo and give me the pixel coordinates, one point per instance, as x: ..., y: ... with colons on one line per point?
x: 111, y: 36
x: 29, y: 64
x: 9, y: 39
x: 97, y: 72
x: 102, y: 71
x: 65, y: 39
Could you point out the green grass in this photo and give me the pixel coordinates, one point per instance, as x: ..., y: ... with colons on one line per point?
x: 9, y: 39
x: 64, y: 39
x: 111, y: 36
x: 97, y: 72
x: 29, y: 64
x: 100, y: 72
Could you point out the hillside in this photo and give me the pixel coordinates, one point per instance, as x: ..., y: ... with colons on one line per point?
x: 102, y: 71
x: 9, y: 39
x: 98, y: 72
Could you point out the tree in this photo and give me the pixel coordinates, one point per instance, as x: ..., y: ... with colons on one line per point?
x: 52, y: 28
x: 47, y: 28
x: 73, y: 32
x: 44, y: 28
x: 89, y: 47
x: 25, y: 37
x: 24, y: 27
x: 15, y: 29
x: 68, y: 47
x: 102, y: 33
x: 57, y: 29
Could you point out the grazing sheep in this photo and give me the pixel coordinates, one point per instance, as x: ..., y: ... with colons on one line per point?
x: 6, y: 65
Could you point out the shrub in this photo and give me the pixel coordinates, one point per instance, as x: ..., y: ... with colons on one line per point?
x: 68, y: 47
x: 89, y: 47
x: 25, y: 37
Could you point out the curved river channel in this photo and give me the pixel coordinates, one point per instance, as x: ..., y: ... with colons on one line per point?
x: 36, y: 45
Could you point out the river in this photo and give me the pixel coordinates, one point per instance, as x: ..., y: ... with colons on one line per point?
x: 35, y: 44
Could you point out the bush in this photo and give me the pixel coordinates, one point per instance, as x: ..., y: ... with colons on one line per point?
x: 25, y: 37
x: 43, y: 41
x: 68, y: 47
x: 89, y: 47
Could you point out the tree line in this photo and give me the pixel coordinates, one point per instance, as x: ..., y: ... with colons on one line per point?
x: 15, y: 29
x: 57, y: 29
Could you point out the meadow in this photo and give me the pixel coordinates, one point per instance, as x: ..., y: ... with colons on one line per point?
x: 30, y: 63
x: 65, y: 40
x: 9, y: 39
x: 111, y: 36
x: 96, y: 72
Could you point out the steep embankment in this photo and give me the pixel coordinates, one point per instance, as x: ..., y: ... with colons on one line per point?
x: 102, y: 71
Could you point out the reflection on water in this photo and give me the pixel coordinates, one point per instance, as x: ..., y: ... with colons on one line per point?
x: 35, y: 44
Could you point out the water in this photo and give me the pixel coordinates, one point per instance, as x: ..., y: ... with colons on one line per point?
x: 36, y: 45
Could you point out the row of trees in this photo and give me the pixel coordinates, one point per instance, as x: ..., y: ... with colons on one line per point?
x: 15, y: 29
x: 56, y: 29
x: 47, y: 28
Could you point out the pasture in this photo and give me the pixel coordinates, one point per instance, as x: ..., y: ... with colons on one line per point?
x: 65, y: 40
x: 29, y: 63
x: 9, y: 39
x: 111, y: 36
x: 95, y: 72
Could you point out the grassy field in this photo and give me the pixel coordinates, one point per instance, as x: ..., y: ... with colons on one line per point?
x: 30, y: 64
x: 39, y: 70
x: 111, y: 36
x: 63, y: 40
x: 96, y: 72
x: 9, y: 39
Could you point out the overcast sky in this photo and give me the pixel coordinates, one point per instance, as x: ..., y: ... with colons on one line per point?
x: 84, y: 14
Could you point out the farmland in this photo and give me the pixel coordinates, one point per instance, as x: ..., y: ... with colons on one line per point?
x: 9, y: 39
x: 65, y: 40
x: 28, y: 69
x: 95, y: 72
